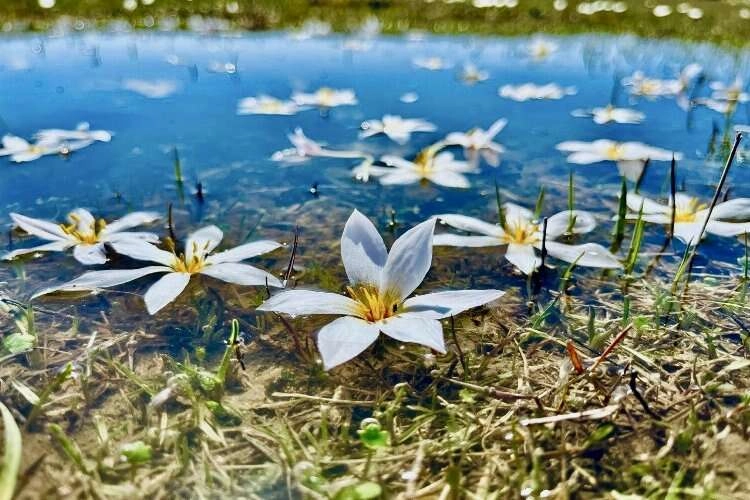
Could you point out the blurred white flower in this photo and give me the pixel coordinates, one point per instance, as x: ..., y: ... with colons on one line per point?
x: 396, y: 128
x: 471, y: 74
x: 267, y: 105
x: 431, y: 63
x: 429, y: 165
x: 609, y: 113
x: 326, y: 97
x: 662, y: 10
x: 82, y: 132
x: 479, y: 142
x: 153, y: 89
x: 540, y: 49
x: 629, y: 156
x: 306, y: 148
x: 531, y: 91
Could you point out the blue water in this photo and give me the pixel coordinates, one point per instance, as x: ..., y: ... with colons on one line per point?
x: 58, y: 82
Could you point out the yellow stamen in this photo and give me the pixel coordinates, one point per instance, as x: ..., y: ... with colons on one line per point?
x: 88, y: 235
x: 371, y: 305
x: 689, y: 212
x: 521, y: 232
x: 614, y: 152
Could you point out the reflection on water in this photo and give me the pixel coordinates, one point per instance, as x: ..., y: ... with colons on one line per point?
x: 175, y: 98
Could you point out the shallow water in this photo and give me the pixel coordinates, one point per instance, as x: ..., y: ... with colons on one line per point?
x: 58, y: 82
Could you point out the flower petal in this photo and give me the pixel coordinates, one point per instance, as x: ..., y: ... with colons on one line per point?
x: 54, y: 246
x: 202, y: 242
x: 454, y: 240
x: 305, y: 302
x: 722, y: 228
x: 449, y: 179
x: 557, y: 225
x: 398, y: 162
x: 635, y: 201
x: 241, y: 274
x: 90, y: 255
x: 471, y: 224
x: 243, y: 252
x: 523, y: 257
x: 344, y: 338
x: 588, y: 255
x: 423, y: 331
x: 164, y: 291
x: 94, y: 280
x: 687, y: 232
x: 737, y: 209
x: 444, y: 304
x: 130, y: 221
x: 585, y: 157
x: 141, y: 250
x: 399, y: 177
x: 363, y: 251
x: 409, y: 260
x: 631, y: 169
x: 40, y: 228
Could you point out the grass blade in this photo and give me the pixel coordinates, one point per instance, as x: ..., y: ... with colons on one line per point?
x: 11, y: 456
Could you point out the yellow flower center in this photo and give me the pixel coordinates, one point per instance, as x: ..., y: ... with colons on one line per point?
x: 195, y: 264
x: 733, y: 94
x: 521, y: 232
x: 649, y: 87
x: 325, y: 96
x: 371, y: 305
x: 86, y: 235
x: 688, y: 212
x: 271, y: 106
x: 614, y: 152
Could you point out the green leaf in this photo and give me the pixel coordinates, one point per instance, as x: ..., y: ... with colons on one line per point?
x: 12, y: 456
x: 136, y: 452
x: 16, y: 343
x: 372, y: 436
x: 361, y: 491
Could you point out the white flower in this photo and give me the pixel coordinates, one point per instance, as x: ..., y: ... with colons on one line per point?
x: 610, y: 113
x: 429, y: 165
x: 640, y: 85
x: 306, y: 148
x: 267, y: 105
x: 396, y: 128
x: 86, y: 235
x: 326, y: 98
x: 409, y: 97
x: 366, y: 169
x: 198, y: 258
x: 379, y: 286
x: 540, y: 49
x: 630, y: 156
x: 82, y: 132
x: 690, y: 215
x: 153, y: 89
x: 528, y: 91
x: 662, y: 10
x: 733, y: 93
x: 523, y: 234
x: 471, y: 74
x: 20, y: 150
x: 431, y: 63
x: 477, y: 141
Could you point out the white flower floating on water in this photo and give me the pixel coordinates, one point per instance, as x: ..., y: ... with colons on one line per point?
x: 20, y: 150
x: 690, y: 215
x: 725, y: 98
x: 306, y: 148
x: 532, y: 91
x: 522, y: 234
x: 540, y: 49
x: 82, y: 132
x: 267, y: 105
x: 477, y: 141
x: 153, y: 89
x: 640, y: 85
x: 609, y: 114
x: 86, y: 235
x: 380, y: 284
x: 629, y: 156
x: 429, y: 165
x: 396, y: 128
x: 326, y: 97
x: 198, y: 258
x: 431, y: 63
x: 471, y: 74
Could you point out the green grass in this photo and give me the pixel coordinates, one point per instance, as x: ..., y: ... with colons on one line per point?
x: 721, y: 21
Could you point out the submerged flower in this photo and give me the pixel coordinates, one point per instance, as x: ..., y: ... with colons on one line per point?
x: 396, y: 128
x: 522, y: 234
x: 541, y: 49
x: 477, y: 141
x: 610, y: 113
x: 156, y: 89
x: 529, y: 91
x: 82, y: 132
x: 431, y: 63
x: 690, y: 215
x: 429, y: 165
x: 640, y: 85
x: 306, y: 148
x: 267, y: 105
x: 725, y: 98
x: 630, y: 156
x: 471, y: 74
x: 20, y: 150
x: 326, y: 97
x: 379, y: 286
x: 86, y: 235
x: 198, y: 258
